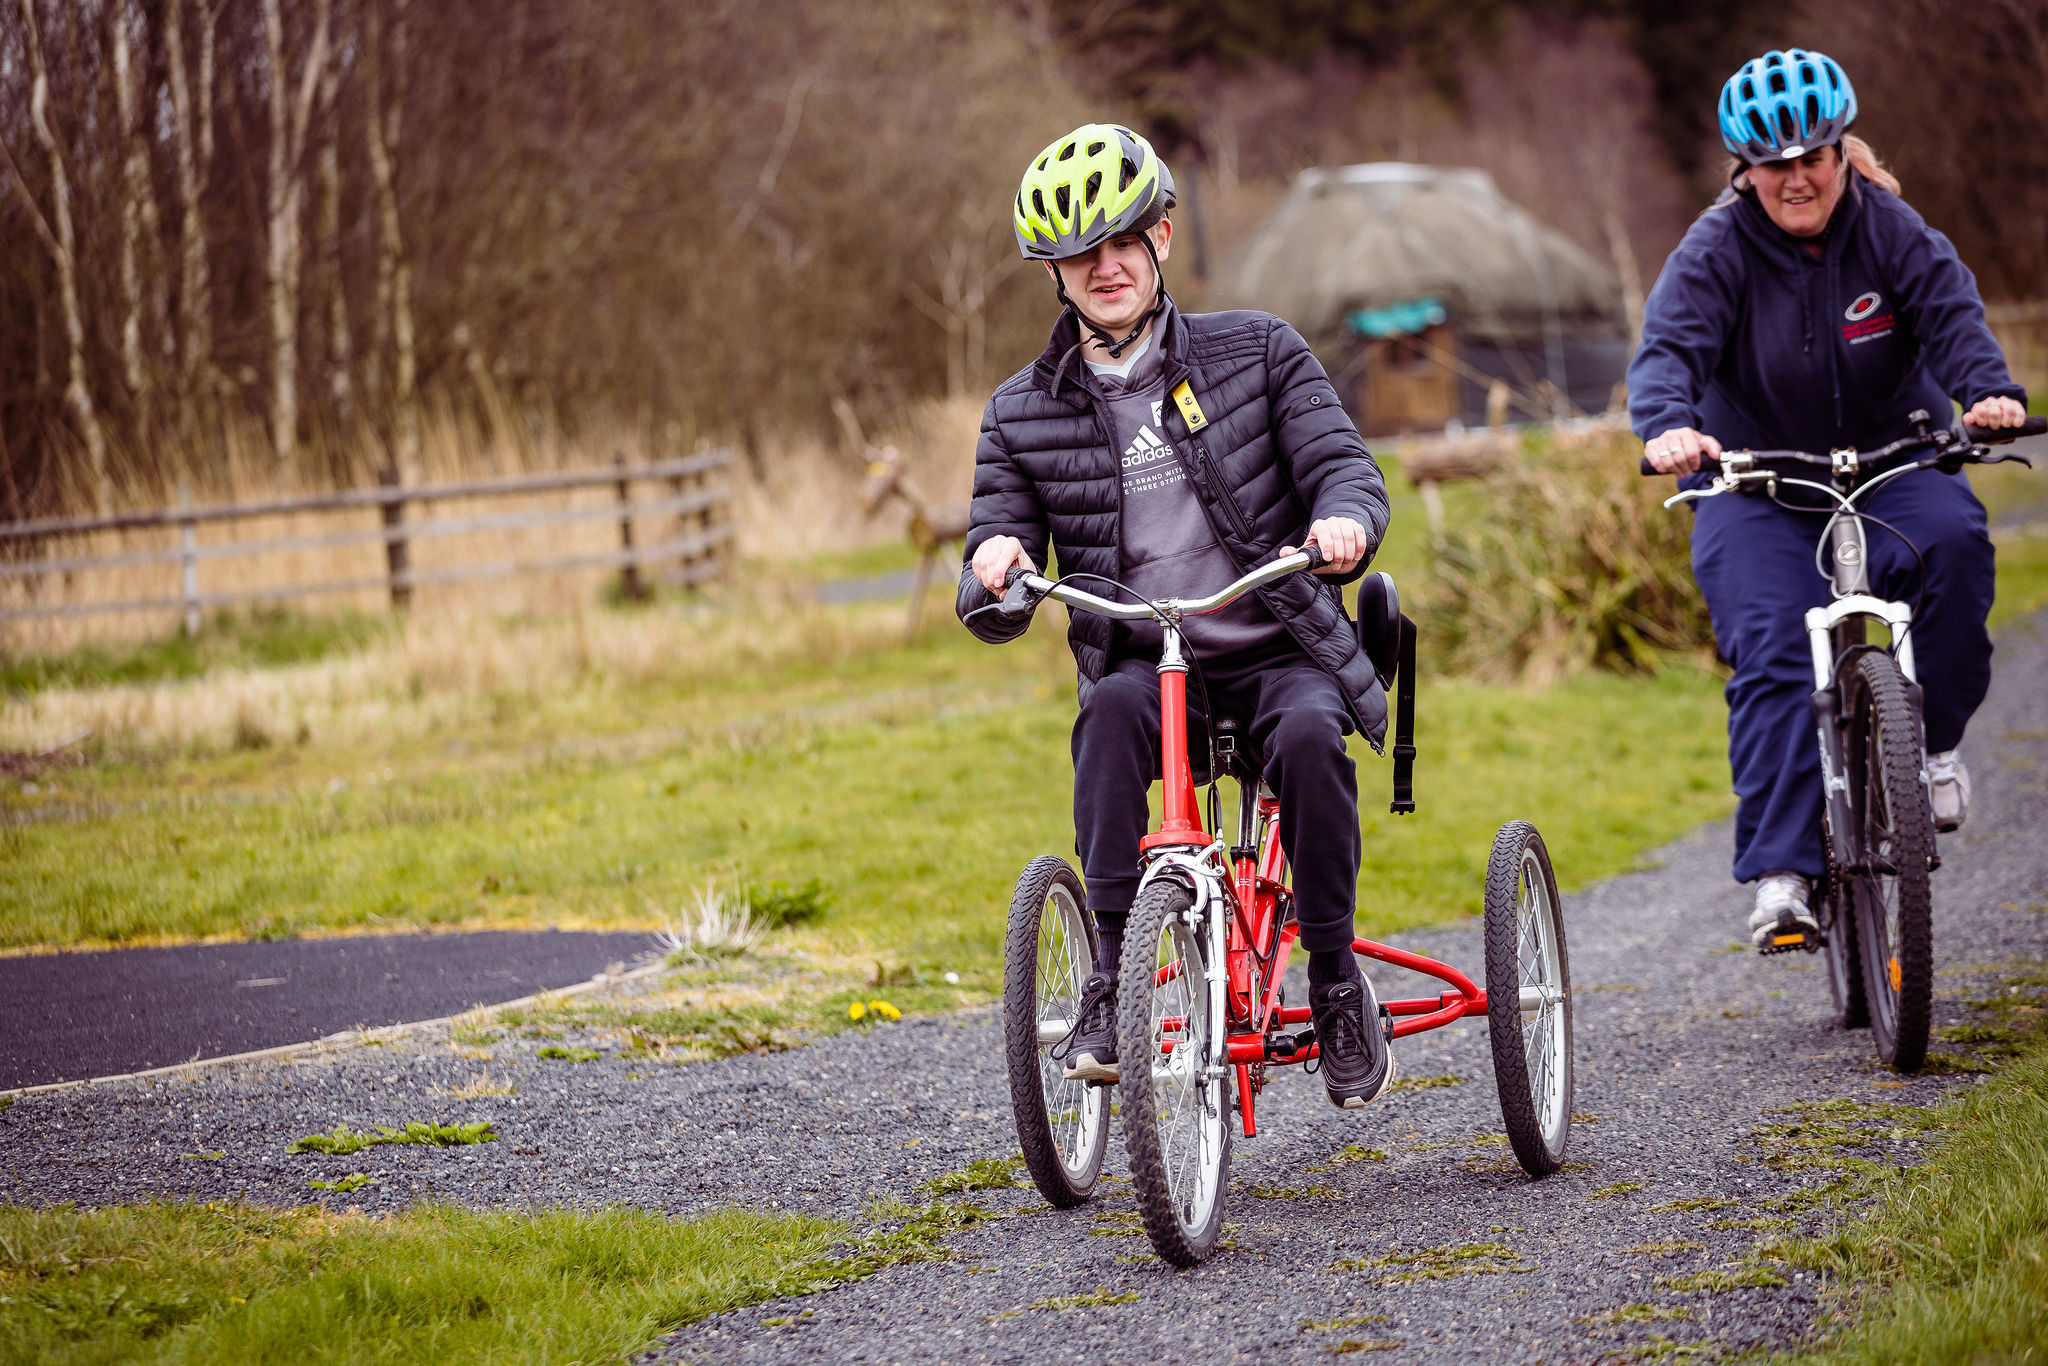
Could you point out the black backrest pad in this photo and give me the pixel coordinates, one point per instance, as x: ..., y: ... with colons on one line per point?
x: 1379, y: 624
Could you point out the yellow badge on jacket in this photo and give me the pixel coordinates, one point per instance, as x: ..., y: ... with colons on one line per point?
x: 1190, y: 411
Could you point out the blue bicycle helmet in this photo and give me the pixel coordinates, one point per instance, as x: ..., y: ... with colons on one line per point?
x: 1785, y: 104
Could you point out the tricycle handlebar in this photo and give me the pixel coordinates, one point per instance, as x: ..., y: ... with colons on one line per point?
x: 1023, y: 591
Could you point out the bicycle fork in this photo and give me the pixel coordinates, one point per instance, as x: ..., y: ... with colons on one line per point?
x: 1836, y: 633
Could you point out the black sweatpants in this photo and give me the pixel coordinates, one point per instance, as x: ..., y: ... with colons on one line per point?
x: 1297, y: 717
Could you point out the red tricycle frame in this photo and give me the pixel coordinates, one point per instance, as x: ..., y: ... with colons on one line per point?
x: 1257, y: 884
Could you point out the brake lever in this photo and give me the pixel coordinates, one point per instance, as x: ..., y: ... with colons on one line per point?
x: 1017, y: 601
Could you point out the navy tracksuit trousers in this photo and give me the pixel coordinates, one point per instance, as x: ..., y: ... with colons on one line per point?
x: 1755, y: 562
x: 1296, y: 716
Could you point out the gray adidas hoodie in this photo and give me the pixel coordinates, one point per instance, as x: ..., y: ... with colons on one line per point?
x: 1168, y: 548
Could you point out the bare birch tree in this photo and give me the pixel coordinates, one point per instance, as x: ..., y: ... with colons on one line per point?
x: 290, y: 117
x: 62, y: 244
x: 138, y: 217
x: 963, y: 270
x: 192, y: 139
x: 392, y: 318
x: 340, y: 386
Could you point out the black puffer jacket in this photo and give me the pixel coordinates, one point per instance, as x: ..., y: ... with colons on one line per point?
x: 1277, y: 453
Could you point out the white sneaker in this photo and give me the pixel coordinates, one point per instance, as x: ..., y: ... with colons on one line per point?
x: 1781, y: 911
x: 1948, y: 790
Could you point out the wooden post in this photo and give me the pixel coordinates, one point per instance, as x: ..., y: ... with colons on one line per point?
x: 630, y: 585
x: 396, y: 554
x: 188, y: 546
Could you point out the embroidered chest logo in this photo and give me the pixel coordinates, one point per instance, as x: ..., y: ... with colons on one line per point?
x: 1865, y: 322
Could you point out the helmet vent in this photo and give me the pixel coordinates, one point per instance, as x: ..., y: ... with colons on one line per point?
x: 1756, y: 124
x: 1812, y: 110
x: 1127, y: 174
x: 1775, y: 82
x: 1062, y: 199
x: 1092, y: 188
x: 1067, y: 152
x: 1095, y: 149
x: 1038, y: 203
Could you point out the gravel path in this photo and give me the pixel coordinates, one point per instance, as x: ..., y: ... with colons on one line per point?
x: 70, y: 1015
x: 1682, y: 1048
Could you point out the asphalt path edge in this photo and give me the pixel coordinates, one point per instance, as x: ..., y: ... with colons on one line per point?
x: 346, y: 1037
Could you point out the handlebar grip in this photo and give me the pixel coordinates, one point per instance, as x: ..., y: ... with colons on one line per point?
x: 1017, y: 600
x: 1316, y: 558
x: 2033, y: 426
x: 1708, y: 464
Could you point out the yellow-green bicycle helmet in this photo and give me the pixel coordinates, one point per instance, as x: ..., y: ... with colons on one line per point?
x: 1097, y: 182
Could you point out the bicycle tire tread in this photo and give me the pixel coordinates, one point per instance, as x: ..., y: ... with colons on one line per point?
x: 1150, y: 1186
x: 1503, y: 1005
x: 1902, y: 1042
x: 1035, y: 1139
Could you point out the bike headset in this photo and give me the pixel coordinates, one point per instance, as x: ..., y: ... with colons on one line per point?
x: 1100, y: 182
x: 1840, y: 509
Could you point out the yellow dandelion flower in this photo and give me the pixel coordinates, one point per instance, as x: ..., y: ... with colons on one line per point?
x: 856, y: 1010
x: 885, y: 1010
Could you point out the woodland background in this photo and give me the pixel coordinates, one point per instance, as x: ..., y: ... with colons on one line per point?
x: 288, y: 241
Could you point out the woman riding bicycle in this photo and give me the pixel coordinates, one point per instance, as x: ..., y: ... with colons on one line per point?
x: 1234, y: 450
x: 1812, y: 309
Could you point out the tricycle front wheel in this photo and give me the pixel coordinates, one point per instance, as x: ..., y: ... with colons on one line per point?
x: 1175, y: 1089
x: 1528, y: 998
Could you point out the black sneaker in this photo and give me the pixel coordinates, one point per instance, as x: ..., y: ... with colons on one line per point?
x: 1089, y: 1049
x: 1352, y: 1052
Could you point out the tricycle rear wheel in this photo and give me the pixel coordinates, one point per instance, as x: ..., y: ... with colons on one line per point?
x: 1062, y: 1126
x: 1528, y: 998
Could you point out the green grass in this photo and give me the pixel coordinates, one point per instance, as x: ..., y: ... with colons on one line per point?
x: 424, y: 1132
x: 914, y: 784
x: 263, y: 636
x: 213, y: 1283
x: 1952, y: 1265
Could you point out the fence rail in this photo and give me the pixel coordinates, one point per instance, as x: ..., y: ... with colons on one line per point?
x: 695, y: 553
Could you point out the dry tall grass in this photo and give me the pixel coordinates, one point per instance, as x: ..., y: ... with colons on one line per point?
x: 1570, y: 562
x: 511, y: 642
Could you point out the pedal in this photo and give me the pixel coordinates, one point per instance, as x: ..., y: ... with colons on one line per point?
x: 1791, y: 941
x: 1387, y: 1023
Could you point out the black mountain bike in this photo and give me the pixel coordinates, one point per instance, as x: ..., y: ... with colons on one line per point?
x: 1875, y: 904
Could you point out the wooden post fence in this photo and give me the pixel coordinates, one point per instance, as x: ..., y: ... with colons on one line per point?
x: 397, y: 561
x: 188, y: 549
x: 697, y: 551
x: 629, y: 574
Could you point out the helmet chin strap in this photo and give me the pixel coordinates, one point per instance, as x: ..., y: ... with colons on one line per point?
x: 1111, y: 345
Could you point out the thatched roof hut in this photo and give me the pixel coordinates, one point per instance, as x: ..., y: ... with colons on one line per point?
x: 1429, y: 286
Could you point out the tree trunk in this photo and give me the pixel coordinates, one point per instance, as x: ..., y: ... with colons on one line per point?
x: 192, y: 138
x: 340, y: 387
x: 63, y: 244
x: 290, y: 114
x: 394, y: 275
x: 138, y: 213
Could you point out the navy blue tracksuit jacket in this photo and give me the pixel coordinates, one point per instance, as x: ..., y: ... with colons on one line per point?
x: 1752, y: 339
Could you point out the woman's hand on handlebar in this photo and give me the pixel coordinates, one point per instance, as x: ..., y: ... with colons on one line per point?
x: 993, y: 558
x: 1342, y: 541
x: 1996, y: 411
x: 1678, y: 451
